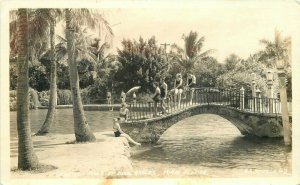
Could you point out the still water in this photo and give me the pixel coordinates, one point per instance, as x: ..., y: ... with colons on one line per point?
x: 63, y: 123
x: 202, y: 145
x: 208, y: 145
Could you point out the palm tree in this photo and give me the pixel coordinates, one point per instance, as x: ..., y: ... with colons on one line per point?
x: 74, y: 18
x: 42, y: 25
x: 36, y: 34
x: 279, y: 49
x: 51, y: 15
x: 192, y: 52
x: 26, y: 157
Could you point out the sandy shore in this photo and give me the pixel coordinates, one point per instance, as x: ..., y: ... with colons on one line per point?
x: 107, y: 157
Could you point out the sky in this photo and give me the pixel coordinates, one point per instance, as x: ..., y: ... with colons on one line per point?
x: 229, y: 26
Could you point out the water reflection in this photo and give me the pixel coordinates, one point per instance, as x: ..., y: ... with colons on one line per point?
x: 211, y: 141
x: 63, y: 123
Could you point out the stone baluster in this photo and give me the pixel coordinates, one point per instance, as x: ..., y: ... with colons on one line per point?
x: 270, y: 78
x: 253, y: 86
x: 258, y: 100
x: 242, y: 98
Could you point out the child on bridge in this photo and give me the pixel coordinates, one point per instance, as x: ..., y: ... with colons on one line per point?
x: 124, y: 112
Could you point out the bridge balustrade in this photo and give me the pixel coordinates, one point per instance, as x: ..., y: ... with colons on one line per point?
x: 205, y: 96
x: 262, y: 105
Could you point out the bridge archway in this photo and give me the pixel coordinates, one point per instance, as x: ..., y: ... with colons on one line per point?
x: 201, y: 126
x: 257, y: 124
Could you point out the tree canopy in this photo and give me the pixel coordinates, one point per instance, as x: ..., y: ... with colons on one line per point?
x: 142, y: 63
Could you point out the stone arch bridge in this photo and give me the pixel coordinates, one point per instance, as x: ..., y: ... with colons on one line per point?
x: 252, y: 116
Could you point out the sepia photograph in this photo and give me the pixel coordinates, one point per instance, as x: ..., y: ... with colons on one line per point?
x: 150, y: 90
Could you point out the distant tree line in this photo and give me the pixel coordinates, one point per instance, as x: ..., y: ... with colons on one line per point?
x: 140, y: 63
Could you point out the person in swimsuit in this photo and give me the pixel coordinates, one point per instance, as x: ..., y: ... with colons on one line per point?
x: 123, y: 97
x: 108, y: 97
x: 124, y: 112
x: 191, y: 82
x: 119, y: 132
x: 134, y: 98
x: 163, y: 94
x: 178, y: 88
x: 156, y: 97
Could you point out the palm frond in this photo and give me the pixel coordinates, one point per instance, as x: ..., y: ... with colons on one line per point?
x: 61, y: 39
x: 101, y: 19
x: 265, y: 42
x: 177, y: 48
x: 39, y: 24
x: 205, y: 54
x: 61, y: 52
x: 57, y: 13
x: 199, y: 43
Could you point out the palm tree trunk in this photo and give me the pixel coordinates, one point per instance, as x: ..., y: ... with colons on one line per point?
x: 26, y: 157
x: 81, y: 127
x: 53, y: 87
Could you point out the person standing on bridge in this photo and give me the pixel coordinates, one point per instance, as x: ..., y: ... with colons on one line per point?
x: 134, y: 98
x: 163, y: 94
x: 191, y: 82
x: 123, y: 97
x: 156, y: 97
x: 178, y: 88
x: 108, y: 98
x: 124, y: 112
x: 119, y: 132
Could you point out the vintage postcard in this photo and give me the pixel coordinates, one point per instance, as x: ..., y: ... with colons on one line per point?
x: 170, y: 92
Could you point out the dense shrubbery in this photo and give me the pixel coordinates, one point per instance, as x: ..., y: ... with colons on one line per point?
x: 64, y: 97
x: 38, y: 78
x: 13, y: 100
x: 33, y: 99
x: 44, y: 98
x: 238, y: 74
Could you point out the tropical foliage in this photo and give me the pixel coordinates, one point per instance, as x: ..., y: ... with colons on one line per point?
x: 207, y: 72
x: 279, y: 49
x: 189, y: 56
x: 142, y: 63
x: 238, y: 73
x: 138, y: 62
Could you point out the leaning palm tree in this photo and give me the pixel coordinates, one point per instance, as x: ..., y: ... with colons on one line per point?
x: 75, y: 18
x: 41, y: 26
x: 26, y: 157
x: 50, y: 16
x: 191, y: 54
